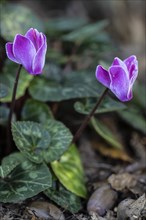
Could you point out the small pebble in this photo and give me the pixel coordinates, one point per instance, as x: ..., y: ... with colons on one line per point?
x: 102, y: 200
x: 132, y: 209
x: 45, y: 210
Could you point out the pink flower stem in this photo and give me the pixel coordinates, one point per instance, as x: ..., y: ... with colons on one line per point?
x: 87, y: 119
x: 8, y: 148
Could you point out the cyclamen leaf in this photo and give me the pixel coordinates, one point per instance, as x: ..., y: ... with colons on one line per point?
x: 107, y: 105
x: 61, y: 138
x: 105, y: 133
x: 26, y: 180
x: 9, y: 163
x: 32, y: 139
x: 70, y: 172
x: 36, y: 111
x: 3, y: 90
x: 86, y: 32
x: 134, y: 117
x: 64, y: 24
x: 41, y: 142
x: 72, y: 85
x: 138, y: 98
x: 64, y: 198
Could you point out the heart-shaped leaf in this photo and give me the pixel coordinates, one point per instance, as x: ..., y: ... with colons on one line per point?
x: 26, y: 180
x: 36, y: 111
x: 9, y: 163
x: 41, y: 142
x: 61, y: 138
x: 64, y: 198
x: 24, y: 20
x: 105, y: 133
x: 8, y: 78
x: 32, y: 139
x: 107, y: 105
x: 72, y: 85
x: 70, y: 172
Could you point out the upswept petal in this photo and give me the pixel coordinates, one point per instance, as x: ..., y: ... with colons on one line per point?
x: 35, y: 37
x: 119, y: 83
x: 24, y: 51
x: 132, y: 66
x: 9, y: 51
x: 39, y: 59
x: 129, y: 61
x: 102, y: 76
x: 117, y: 61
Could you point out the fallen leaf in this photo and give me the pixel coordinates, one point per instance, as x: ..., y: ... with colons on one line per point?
x: 107, y: 151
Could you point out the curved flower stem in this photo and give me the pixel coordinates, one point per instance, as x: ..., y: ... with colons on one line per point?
x: 88, y: 117
x: 8, y: 148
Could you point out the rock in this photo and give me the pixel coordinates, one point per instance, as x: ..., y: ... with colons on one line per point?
x: 101, y: 200
x: 122, y: 181
x: 45, y: 210
x: 132, y: 209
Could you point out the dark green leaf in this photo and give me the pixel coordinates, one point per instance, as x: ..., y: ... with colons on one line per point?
x: 36, y: 111
x: 70, y: 172
x: 73, y: 85
x: 87, y: 32
x: 40, y: 142
x: 52, y: 72
x: 105, y: 133
x: 139, y: 89
x: 61, y: 138
x: 107, y: 105
x: 64, y: 198
x: 26, y: 180
x: 3, y: 90
x: 9, y: 163
x: 134, y: 117
x: 65, y: 24
x: 8, y: 78
x: 32, y: 139
x: 17, y: 19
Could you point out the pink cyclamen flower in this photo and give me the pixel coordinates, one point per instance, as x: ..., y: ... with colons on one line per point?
x: 120, y: 77
x: 28, y: 50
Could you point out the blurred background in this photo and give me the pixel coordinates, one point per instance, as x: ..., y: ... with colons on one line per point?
x: 127, y: 21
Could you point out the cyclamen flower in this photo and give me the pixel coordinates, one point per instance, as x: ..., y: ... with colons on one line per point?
x: 28, y: 50
x: 120, y: 77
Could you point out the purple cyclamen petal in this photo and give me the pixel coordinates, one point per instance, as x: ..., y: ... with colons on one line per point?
x: 102, y: 76
x: 119, y: 83
x: 117, y: 61
x: 24, y: 51
x: 132, y: 66
x: 122, y: 76
x: 35, y: 37
x: 129, y: 61
x: 10, y: 54
x: 39, y: 60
